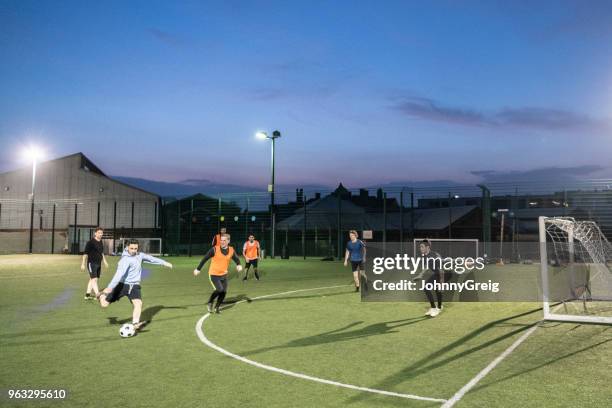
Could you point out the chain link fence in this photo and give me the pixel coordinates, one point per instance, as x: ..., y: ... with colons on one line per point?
x: 65, y: 226
x: 309, y: 223
x: 305, y: 223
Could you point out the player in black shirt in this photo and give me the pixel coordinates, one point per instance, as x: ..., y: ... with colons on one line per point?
x: 93, y: 257
x: 437, y: 275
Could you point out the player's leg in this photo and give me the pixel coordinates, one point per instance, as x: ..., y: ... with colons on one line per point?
x: 94, y: 286
x: 90, y: 282
x: 363, y: 278
x: 355, y: 268
x: 117, y: 293
x: 89, y: 287
x: 246, y: 270
x: 96, y: 269
x: 255, y: 262
x: 224, y: 283
x: 218, y: 287
x: 133, y: 293
x: 137, y: 303
x: 447, y: 277
x: 103, y: 302
x: 430, y: 296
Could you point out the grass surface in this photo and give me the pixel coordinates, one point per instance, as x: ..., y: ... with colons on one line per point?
x: 52, y: 338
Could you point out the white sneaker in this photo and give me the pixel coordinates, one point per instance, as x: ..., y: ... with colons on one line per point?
x: 435, y: 312
x: 430, y: 311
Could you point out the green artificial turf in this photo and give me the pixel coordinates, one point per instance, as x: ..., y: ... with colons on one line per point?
x: 52, y: 338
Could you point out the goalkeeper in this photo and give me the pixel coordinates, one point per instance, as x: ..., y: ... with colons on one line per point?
x: 438, y: 275
x: 220, y: 256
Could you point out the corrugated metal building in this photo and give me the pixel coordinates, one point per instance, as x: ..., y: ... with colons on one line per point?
x: 72, y: 196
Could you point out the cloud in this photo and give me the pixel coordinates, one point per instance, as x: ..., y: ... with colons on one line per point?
x: 268, y: 94
x: 521, y: 117
x: 429, y: 109
x: 539, y: 174
x: 165, y: 37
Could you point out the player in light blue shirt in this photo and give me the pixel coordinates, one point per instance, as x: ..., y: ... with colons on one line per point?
x: 126, y: 281
x: 355, y: 250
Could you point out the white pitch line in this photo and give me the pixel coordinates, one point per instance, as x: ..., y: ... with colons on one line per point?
x: 459, y: 394
x: 204, y: 339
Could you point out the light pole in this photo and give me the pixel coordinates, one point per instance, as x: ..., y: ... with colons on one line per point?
x: 32, y: 153
x: 275, y: 135
x: 450, y: 213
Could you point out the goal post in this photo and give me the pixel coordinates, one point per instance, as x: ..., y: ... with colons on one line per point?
x: 449, y: 247
x: 151, y: 246
x: 574, y: 269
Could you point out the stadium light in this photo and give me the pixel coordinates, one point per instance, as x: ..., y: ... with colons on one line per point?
x: 32, y: 153
x: 262, y: 136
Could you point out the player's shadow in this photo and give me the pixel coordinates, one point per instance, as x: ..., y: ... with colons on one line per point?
x: 305, y: 296
x: 147, y: 315
x: 543, y: 365
x: 343, y: 334
x: 228, y: 303
x: 437, y: 358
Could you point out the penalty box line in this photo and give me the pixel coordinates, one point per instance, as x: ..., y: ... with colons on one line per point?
x: 200, y: 332
x: 467, y: 387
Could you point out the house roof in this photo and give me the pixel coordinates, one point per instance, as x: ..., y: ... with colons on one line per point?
x: 323, y: 214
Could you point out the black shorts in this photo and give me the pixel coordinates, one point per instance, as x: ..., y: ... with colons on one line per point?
x: 252, y: 262
x: 357, y: 266
x: 94, y: 270
x: 124, y: 289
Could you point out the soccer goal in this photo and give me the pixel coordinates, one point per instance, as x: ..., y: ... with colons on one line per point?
x: 447, y: 247
x: 574, y: 257
x: 151, y: 246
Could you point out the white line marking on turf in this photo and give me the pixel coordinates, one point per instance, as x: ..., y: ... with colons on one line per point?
x: 204, y: 339
x: 459, y: 394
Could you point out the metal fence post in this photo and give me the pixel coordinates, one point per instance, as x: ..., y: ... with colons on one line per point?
x: 132, y: 232
x: 401, y: 237
x: 75, y: 242
x: 412, y: 215
x: 304, y: 229
x: 190, y: 224
x: 114, y: 224
x: 339, y: 226
x: 178, y: 227
x: 384, y: 222
x: 53, y: 230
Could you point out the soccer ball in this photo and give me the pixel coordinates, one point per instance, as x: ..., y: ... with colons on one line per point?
x: 127, y: 330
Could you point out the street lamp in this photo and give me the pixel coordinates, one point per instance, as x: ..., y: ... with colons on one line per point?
x: 263, y: 136
x: 32, y: 153
x: 451, y: 197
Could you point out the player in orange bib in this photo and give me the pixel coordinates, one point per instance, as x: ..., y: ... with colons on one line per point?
x: 252, y: 254
x: 220, y: 257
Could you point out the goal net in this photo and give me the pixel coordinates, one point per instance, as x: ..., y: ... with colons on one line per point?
x: 151, y: 246
x: 446, y: 247
x: 574, y: 263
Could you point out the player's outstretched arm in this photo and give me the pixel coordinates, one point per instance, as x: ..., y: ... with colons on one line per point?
x: 155, y: 261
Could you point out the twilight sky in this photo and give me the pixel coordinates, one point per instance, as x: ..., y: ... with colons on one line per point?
x: 364, y: 92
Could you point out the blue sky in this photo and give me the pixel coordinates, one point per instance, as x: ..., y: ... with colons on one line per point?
x: 363, y: 92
